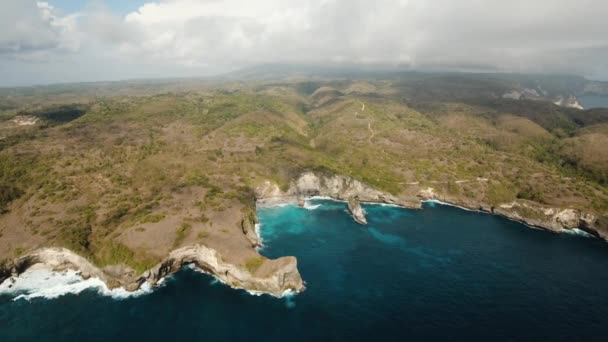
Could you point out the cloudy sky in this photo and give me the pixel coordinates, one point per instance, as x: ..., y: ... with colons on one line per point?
x: 70, y: 40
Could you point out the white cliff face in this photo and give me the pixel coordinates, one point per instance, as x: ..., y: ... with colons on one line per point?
x: 568, y: 218
x: 334, y: 186
x: 58, y: 259
x: 555, y: 219
x: 25, y: 120
x: 354, y: 207
x: 275, y: 277
x: 268, y: 190
x: 427, y: 194
x: 569, y: 101
x: 339, y: 187
x: 513, y: 95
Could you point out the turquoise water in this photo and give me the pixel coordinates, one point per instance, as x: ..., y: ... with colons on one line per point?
x: 593, y: 101
x: 438, y: 274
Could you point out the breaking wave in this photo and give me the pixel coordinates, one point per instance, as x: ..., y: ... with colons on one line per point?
x: 44, y: 283
x: 309, y: 206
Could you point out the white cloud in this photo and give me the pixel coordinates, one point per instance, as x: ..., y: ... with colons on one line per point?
x: 29, y: 28
x: 504, y: 34
x: 189, y: 37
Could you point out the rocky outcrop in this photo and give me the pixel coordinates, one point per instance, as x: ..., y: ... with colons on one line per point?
x: 553, y: 219
x: 354, y: 207
x: 557, y: 220
x: 275, y: 277
x: 340, y: 188
x: 570, y: 101
x: 344, y: 188
x: 248, y: 227
x: 337, y: 187
x: 25, y: 120
x: 56, y: 259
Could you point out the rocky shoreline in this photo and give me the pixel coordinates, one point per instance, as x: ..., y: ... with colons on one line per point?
x: 556, y: 220
x: 341, y: 188
x: 280, y: 276
x: 274, y: 277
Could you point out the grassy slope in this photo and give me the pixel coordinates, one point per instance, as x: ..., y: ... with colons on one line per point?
x: 130, y: 178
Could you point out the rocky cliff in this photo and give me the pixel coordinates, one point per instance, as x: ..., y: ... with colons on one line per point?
x: 248, y: 227
x: 354, y: 207
x: 532, y: 214
x: 347, y: 189
x: 342, y: 188
x: 275, y: 277
x: 337, y: 187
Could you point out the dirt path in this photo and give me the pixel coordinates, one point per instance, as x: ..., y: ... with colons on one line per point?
x: 362, y: 108
x: 371, y: 131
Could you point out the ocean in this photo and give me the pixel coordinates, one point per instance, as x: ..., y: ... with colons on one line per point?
x: 437, y: 274
x: 593, y: 101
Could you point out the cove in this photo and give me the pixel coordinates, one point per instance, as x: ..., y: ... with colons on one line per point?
x: 438, y: 274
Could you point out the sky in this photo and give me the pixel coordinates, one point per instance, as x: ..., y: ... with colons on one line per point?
x: 59, y: 41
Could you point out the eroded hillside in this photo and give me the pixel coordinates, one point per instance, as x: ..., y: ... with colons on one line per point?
x: 124, y: 180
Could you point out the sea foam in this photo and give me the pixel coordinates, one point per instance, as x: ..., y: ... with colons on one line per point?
x: 44, y: 283
x: 309, y: 206
x: 434, y: 201
x: 577, y: 232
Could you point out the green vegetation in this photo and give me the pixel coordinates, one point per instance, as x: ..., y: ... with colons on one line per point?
x: 181, y: 232
x: 152, y: 218
x: 109, y: 170
x: 253, y: 264
x: 114, y: 253
x: 500, y: 193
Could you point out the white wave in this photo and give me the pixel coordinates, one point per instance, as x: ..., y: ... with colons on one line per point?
x: 44, y: 283
x: 257, y: 228
x: 385, y: 205
x: 309, y: 206
x: 324, y: 198
x: 449, y: 204
x: 290, y: 301
x: 577, y: 232
x: 274, y: 203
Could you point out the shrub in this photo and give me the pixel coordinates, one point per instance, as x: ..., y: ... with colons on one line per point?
x: 499, y: 193
x: 180, y: 233
x: 7, y: 195
x: 254, y: 264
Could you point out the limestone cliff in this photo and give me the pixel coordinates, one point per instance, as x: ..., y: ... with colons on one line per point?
x: 274, y: 277
x: 336, y: 187
x: 57, y: 259
x: 354, y: 207
x: 530, y: 213
x: 344, y: 188
x: 248, y: 227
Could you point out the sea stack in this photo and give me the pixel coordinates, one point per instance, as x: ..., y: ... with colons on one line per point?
x: 354, y: 206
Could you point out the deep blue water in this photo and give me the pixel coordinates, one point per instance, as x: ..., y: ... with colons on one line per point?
x: 593, y: 101
x: 439, y: 274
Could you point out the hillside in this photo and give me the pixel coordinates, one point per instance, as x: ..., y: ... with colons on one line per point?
x: 123, y: 178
